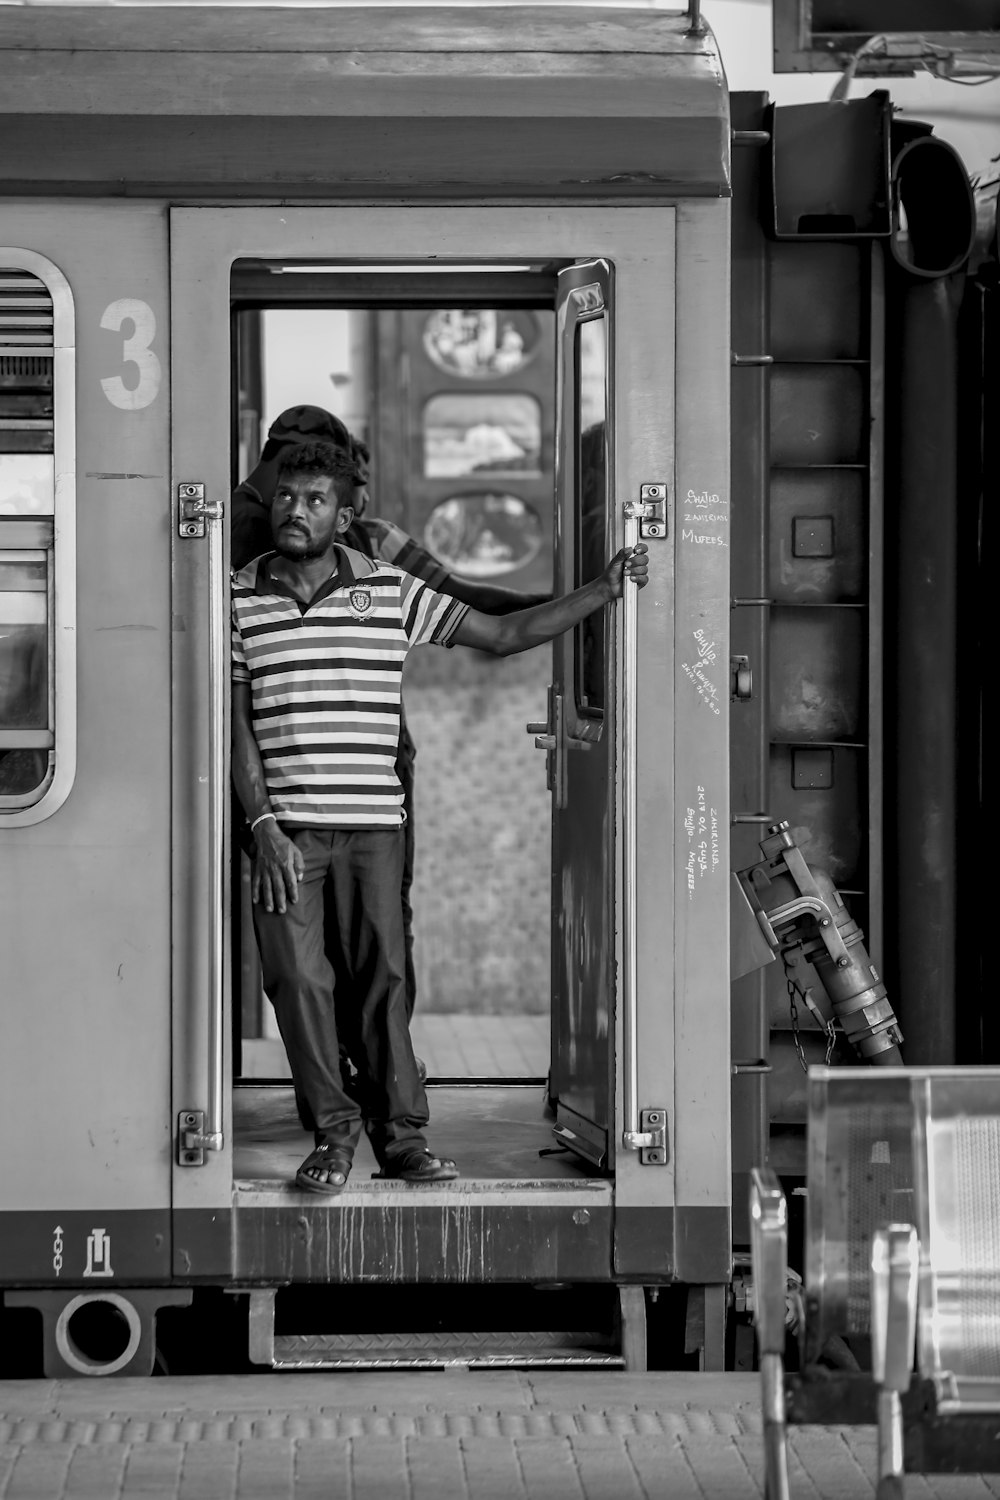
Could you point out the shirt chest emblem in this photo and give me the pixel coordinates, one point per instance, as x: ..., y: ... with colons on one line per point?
x: 360, y: 602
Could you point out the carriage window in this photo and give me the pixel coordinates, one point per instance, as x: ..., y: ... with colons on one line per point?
x: 36, y: 351
x: 591, y: 553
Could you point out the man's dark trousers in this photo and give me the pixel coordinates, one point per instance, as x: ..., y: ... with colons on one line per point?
x: 361, y: 927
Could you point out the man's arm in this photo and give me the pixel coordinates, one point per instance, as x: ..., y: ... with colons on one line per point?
x: 278, y: 865
x: 488, y: 598
x: 505, y: 635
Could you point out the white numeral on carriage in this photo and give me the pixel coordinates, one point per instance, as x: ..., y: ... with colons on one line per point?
x: 135, y: 351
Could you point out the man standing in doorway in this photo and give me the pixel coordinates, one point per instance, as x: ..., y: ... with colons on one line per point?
x: 320, y: 634
x: 384, y: 542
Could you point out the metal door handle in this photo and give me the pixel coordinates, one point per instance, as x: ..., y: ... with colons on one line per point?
x: 198, y: 517
x: 218, y: 686
x: 631, y: 1134
x: 550, y: 736
x: 544, y: 738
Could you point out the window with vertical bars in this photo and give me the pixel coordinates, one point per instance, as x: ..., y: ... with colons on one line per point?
x: 27, y: 532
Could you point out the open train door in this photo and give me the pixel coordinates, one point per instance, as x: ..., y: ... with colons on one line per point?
x: 636, y: 752
x: 581, y: 724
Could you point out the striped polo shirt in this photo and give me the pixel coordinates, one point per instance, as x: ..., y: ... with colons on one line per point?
x: 325, y: 684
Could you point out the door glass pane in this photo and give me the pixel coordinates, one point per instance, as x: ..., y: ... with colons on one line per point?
x: 27, y: 484
x: 591, y: 506
x: 497, y: 434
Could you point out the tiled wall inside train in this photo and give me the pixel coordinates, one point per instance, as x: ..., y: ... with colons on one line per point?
x: 481, y: 894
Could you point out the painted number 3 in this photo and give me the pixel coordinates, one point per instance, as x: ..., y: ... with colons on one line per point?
x: 142, y: 388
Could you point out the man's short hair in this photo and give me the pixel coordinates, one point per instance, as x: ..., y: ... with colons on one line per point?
x: 323, y: 458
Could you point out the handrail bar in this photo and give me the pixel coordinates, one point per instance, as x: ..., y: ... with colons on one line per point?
x: 632, y: 1138
x: 217, y: 684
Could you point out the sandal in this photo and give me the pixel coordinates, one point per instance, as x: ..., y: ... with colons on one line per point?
x: 331, y: 1158
x: 418, y: 1165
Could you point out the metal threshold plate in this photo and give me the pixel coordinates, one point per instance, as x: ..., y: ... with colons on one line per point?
x: 439, y: 1350
x: 378, y: 1195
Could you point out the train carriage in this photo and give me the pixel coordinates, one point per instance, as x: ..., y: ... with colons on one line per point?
x: 170, y: 173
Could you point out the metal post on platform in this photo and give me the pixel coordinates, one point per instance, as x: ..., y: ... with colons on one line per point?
x: 697, y: 26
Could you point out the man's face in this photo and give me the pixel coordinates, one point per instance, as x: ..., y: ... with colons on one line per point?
x: 307, y: 515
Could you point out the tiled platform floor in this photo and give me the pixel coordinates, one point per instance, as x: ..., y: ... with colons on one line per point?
x: 422, y: 1436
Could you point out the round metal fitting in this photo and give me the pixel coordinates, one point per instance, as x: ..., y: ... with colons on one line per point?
x: 77, y: 1358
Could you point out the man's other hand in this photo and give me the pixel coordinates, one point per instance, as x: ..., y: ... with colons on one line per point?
x: 628, y: 563
x: 277, y: 868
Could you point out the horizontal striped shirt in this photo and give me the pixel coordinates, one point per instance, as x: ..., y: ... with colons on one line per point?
x: 325, y: 682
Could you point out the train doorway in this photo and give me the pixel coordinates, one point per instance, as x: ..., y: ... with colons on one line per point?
x: 236, y: 274
x: 455, y: 409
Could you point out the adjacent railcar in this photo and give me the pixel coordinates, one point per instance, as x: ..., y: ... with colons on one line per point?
x: 169, y: 173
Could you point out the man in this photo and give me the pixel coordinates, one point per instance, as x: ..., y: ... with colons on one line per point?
x: 377, y: 538
x: 320, y: 633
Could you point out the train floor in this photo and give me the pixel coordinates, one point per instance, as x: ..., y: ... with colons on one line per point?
x: 494, y: 1132
x: 427, y: 1435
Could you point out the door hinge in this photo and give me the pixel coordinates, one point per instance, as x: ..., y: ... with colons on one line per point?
x: 650, y: 1140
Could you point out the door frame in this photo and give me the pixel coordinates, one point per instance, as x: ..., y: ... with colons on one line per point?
x: 205, y: 241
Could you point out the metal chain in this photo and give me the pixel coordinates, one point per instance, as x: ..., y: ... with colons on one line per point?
x: 829, y: 1028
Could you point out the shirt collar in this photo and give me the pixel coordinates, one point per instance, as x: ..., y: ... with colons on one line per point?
x: 343, y: 576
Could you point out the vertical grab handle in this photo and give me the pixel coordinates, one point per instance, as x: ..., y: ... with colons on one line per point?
x: 631, y: 1137
x: 198, y: 517
x: 218, y: 678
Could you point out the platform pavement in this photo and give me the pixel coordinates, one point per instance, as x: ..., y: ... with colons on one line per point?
x: 431, y: 1435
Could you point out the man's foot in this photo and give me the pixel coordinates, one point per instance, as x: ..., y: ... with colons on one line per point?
x: 326, y: 1169
x: 419, y: 1165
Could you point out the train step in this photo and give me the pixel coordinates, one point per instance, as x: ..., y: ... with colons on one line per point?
x: 441, y: 1349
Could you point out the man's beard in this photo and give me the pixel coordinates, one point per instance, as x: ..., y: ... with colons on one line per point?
x: 308, y: 553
